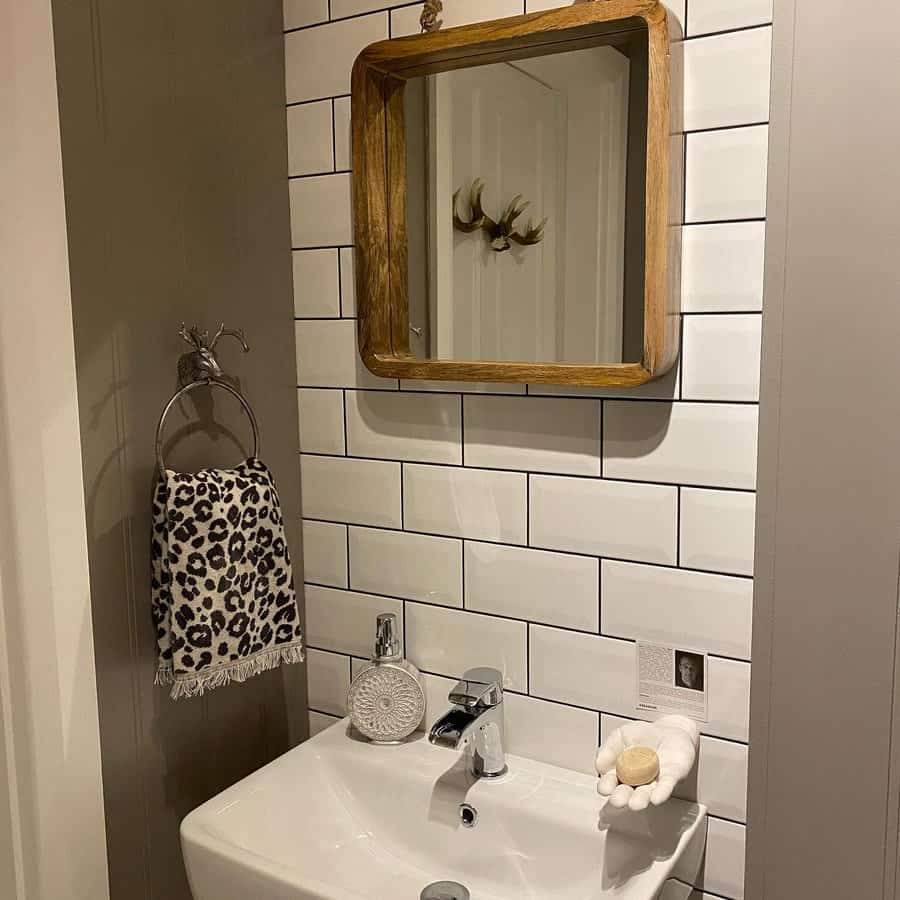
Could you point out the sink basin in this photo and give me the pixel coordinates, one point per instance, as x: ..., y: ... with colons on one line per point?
x: 340, y: 819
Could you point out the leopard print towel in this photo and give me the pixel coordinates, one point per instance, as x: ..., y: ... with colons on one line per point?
x: 223, y: 596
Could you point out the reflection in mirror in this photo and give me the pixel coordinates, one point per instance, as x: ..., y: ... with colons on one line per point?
x: 518, y: 209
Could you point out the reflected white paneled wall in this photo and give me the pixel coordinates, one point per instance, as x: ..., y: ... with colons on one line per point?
x: 542, y: 529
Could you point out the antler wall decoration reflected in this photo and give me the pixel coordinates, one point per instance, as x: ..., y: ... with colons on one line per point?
x: 502, y: 234
x: 429, y: 19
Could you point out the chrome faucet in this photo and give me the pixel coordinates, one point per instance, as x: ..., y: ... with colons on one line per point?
x: 475, y: 721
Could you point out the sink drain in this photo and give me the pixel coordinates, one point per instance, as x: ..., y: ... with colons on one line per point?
x: 445, y: 890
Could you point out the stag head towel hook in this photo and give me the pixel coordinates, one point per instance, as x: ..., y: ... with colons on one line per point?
x: 202, y: 363
x: 502, y: 234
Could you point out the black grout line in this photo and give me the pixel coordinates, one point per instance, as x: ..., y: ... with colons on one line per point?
x: 596, y: 479
x: 678, y: 528
x: 322, y: 246
x: 597, y: 556
x: 724, y: 31
x: 315, y: 100
x: 602, y: 434
x: 738, y: 127
x: 528, y: 658
x: 687, y: 38
x: 347, y: 541
x: 462, y: 554
x: 513, y: 619
x: 599, y: 596
x: 693, y: 314
x: 528, y: 509
x: 563, y: 703
x: 329, y: 173
x: 344, y: 414
x: 720, y: 221
x: 333, y: 134
x: 462, y: 424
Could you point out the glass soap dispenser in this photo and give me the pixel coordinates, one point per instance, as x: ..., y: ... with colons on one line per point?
x: 386, y: 701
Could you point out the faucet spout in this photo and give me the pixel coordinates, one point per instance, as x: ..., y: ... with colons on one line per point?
x: 453, y: 729
x: 475, y: 721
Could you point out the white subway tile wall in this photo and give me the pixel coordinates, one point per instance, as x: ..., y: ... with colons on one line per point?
x: 542, y: 534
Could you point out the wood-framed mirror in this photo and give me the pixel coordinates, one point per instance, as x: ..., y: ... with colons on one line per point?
x: 574, y: 112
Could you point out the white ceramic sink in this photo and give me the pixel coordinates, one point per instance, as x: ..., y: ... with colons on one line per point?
x: 339, y: 819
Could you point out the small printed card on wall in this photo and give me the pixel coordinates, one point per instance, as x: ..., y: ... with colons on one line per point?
x: 672, y: 680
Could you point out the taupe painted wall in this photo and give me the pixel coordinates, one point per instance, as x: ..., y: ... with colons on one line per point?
x: 824, y: 752
x: 175, y: 167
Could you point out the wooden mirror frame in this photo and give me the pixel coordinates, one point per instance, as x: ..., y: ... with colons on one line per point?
x: 379, y: 148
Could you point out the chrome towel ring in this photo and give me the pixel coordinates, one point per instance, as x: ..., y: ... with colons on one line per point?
x: 200, y: 368
x: 212, y: 382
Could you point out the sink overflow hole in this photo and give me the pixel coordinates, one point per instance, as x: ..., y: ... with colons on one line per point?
x: 445, y: 890
x: 468, y: 815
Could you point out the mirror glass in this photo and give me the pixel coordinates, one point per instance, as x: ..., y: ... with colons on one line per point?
x: 521, y: 185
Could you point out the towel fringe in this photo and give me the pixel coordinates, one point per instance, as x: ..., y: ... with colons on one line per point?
x: 196, y: 684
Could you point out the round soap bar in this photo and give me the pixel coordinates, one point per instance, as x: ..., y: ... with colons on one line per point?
x: 636, y: 766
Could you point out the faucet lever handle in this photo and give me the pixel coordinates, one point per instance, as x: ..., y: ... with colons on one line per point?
x: 478, y: 687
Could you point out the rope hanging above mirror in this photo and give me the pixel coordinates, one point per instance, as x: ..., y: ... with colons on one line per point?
x: 429, y: 18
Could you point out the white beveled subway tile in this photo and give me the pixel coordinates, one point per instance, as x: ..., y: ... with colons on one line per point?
x: 344, y: 621
x: 342, y: 8
x: 309, y: 135
x: 729, y: 699
x: 318, y: 722
x: 321, y: 420
x: 719, y: 779
x: 318, y: 61
x: 327, y: 356
x: 675, y: 7
x: 553, y: 588
x: 726, y: 174
x: 695, y: 610
x: 723, y: 869
x: 325, y: 553
x: 551, y: 733
x: 533, y: 433
x: 718, y: 530
x: 582, y: 669
x: 461, y: 387
x: 703, y: 444
x: 664, y: 388
x: 328, y: 680
x: 348, y: 282
x: 342, y: 157
x: 321, y: 211
x: 598, y: 672
x: 726, y: 79
x: 413, y: 566
x: 678, y: 890
x: 470, y: 503
x: 605, y: 518
x: 722, y: 267
x: 721, y: 15
x: 449, y: 641
x: 316, y: 294
x: 356, y: 491
x: 721, y: 357
x: 300, y: 13
x: 405, y: 21
x: 437, y: 691
x: 395, y: 425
